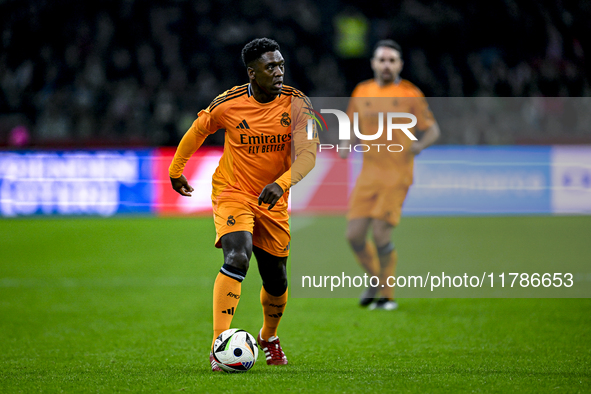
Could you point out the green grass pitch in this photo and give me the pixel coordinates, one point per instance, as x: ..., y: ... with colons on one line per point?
x: 124, y: 305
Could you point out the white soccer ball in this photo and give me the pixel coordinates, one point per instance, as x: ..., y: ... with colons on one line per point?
x: 235, y: 350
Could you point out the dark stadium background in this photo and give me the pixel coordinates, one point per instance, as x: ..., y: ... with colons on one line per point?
x: 132, y: 73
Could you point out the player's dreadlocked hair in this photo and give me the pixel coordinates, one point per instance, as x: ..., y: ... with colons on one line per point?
x: 254, y: 49
x: 390, y: 44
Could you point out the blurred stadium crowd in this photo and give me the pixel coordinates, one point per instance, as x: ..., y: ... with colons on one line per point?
x: 132, y: 73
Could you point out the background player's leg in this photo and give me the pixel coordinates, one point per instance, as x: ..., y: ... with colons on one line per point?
x: 382, y: 233
x: 237, y: 249
x: 364, y: 250
x: 273, y: 272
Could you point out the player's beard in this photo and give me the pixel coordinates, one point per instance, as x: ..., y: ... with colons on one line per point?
x: 387, y: 77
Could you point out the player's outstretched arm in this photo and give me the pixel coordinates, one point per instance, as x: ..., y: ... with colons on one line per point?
x: 189, y: 144
x: 181, y: 186
x: 429, y: 137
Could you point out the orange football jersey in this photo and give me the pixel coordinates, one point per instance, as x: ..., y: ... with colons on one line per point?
x: 368, y: 100
x: 258, y: 143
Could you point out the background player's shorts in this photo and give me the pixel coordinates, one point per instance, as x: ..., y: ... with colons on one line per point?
x: 269, y: 229
x: 377, y: 202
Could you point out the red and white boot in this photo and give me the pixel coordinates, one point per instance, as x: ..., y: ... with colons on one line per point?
x: 272, y: 350
x: 214, y: 365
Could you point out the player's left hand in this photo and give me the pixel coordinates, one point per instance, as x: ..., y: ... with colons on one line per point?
x: 271, y: 194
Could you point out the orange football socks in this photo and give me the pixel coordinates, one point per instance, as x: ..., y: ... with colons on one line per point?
x: 273, y: 308
x: 226, y: 294
x: 388, y: 263
x: 368, y: 259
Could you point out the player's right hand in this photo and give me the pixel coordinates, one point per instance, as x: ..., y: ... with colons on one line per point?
x: 181, y: 186
x: 270, y: 195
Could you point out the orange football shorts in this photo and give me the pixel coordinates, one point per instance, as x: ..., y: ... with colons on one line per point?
x: 377, y: 202
x: 269, y: 229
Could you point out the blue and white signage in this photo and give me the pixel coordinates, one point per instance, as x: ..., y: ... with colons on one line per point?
x: 75, y: 183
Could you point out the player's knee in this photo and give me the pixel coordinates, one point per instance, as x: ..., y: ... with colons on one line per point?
x: 382, y: 236
x: 276, y: 287
x: 356, y: 239
x: 238, y: 260
x: 274, y: 272
x: 382, y: 233
x: 274, y: 276
x: 385, y: 249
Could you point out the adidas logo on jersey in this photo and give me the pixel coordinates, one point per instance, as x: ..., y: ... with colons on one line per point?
x: 243, y: 125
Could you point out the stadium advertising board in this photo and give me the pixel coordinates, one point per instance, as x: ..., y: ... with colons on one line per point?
x: 105, y: 182
x: 571, y: 179
x: 481, y: 181
x: 459, y: 180
x: 448, y: 180
x: 198, y: 172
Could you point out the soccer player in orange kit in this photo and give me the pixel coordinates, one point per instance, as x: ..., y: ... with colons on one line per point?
x: 382, y: 185
x: 265, y: 123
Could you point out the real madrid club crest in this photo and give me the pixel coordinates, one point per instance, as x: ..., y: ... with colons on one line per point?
x: 231, y: 221
x: 285, y: 119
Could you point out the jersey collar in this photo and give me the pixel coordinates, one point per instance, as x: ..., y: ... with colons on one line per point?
x: 250, y: 94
